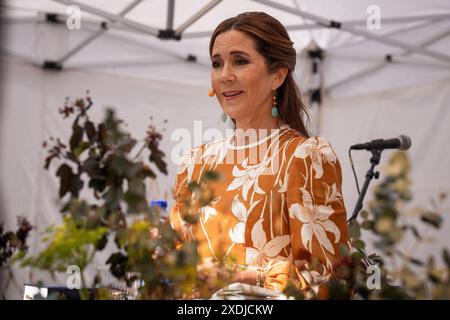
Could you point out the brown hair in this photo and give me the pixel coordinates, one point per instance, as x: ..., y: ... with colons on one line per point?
x: 273, y: 43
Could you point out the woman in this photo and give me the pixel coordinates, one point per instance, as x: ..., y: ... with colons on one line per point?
x: 278, y: 208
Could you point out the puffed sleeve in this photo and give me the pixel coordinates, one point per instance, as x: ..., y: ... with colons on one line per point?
x: 317, y: 215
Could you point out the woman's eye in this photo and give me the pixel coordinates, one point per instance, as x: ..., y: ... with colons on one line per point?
x: 215, y: 64
x: 241, y: 62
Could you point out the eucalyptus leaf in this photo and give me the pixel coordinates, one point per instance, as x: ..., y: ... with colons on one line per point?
x: 91, y: 133
x: 77, y: 136
x: 432, y: 219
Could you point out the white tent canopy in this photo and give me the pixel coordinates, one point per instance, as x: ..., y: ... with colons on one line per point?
x: 373, y: 83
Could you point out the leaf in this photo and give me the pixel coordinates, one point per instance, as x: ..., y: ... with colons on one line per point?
x: 76, y: 185
x: 446, y: 257
x: 118, y: 264
x: 91, y: 166
x: 344, y: 250
x: 128, y: 144
x: 119, y: 165
x: 358, y: 244
x: 157, y: 157
x: 354, y: 230
x: 367, y: 225
x: 65, y: 175
x: 102, y: 133
x: 83, y: 146
x: 415, y: 261
x: 102, y: 242
x: 98, y: 184
x: 71, y: 156
x: 90, y: 131
x: 364, y: 214
x: 80, y: 103
x: 48, y: 160
x: 432, y: 219
x: 384, y: 224
x: 76, y: 137
x: 414, y: 231
x: 148, y: 172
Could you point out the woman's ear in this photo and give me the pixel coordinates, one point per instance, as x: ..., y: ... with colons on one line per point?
x: 280, y: 75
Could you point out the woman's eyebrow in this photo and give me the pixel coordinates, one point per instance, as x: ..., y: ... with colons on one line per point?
x: 236, y: 52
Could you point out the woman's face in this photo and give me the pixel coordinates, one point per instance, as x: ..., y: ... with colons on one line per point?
x: 240, y: 77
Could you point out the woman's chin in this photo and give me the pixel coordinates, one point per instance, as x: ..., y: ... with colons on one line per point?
x: 232, y: 111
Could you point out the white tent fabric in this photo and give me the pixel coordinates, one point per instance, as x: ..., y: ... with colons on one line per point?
x: 363, y: 96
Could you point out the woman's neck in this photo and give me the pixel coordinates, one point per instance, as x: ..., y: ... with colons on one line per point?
x: 247, y: 133
x: 252, y: 123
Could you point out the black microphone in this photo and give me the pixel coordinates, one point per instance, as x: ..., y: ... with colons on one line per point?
x: 403, y: 142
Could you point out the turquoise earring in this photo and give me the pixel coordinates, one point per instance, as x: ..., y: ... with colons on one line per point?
x: 274, y: 105
x: 224, y: 117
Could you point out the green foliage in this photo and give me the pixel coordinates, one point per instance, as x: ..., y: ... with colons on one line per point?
x: 401, y: 275
x: 13, y: 247
x: 98, y: 159
x: 70, y: 243
x: 14, y: 242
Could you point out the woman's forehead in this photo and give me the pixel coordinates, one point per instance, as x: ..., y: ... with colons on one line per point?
x: 233, y: 41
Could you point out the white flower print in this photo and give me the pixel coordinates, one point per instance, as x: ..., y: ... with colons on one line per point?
x: 263, y: 251
x: 331, y: 194
x: 217, y: 150
x: 315, y: 222
x: 247, y: 178
x: 185, y: 230
x: 207, y: 212
x: 284, y: 184
x: 319, y: 150
x: 237, y: 235
x: 187, y: 163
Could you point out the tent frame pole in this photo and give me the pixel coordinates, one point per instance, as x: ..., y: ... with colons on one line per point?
x: 113, y: 17
x: 351, y: 29
x: 197, y: 16
x: 170, y: 14
x: 104, y: 28
x: 386, y: 61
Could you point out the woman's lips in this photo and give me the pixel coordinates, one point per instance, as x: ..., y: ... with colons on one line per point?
x: 230, y: 95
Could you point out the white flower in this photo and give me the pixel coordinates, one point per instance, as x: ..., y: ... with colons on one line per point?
x: 237, y: 235
x: 263, y: 251
x: 247, y: 178
x: 315, y: 222
x: 319, y: 152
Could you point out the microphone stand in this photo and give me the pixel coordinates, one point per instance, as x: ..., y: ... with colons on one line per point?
x: 374, y: 160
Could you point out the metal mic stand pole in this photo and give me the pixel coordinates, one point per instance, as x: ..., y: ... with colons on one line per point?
x: 376, y: 155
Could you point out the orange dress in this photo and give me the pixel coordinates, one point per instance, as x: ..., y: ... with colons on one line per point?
x: 277, y: 207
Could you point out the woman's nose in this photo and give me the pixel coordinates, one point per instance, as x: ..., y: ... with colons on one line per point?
x: 227, y: 74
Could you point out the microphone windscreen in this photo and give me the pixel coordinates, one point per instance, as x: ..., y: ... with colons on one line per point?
x: 405, y: 142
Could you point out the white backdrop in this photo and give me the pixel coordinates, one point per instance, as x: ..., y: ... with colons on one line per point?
x: 141, y: 77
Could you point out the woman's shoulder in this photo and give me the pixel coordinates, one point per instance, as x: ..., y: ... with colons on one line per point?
x: 193, y: 155
x: 300, y: 144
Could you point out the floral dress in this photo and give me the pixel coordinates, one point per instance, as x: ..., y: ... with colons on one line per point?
x: 277, y: 207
